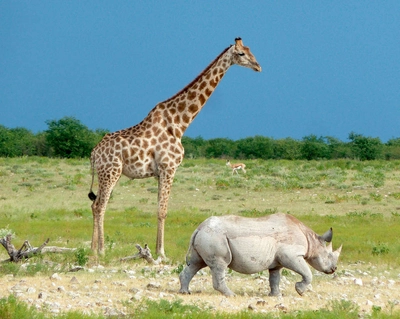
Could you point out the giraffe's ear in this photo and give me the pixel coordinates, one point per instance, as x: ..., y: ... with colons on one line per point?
x: 238, y: 42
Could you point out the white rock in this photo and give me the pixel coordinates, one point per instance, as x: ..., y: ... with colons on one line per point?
x: 134, y: 290
x: 358, y: 282
x: 11, y: 277
x: 225, y: 303
x: 74, y: 280
x: 252, y: 307
x: 42, y: 295
x: 137, y: 297
x: 261, y: 302
x: 281, y: 307
x: 31, y: 290
x: 153, y: 285
x: 17, y: 289
x: 173, y: 281
x: 55, y: 276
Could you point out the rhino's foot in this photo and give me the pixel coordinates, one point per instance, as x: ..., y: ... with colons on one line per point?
x: 229, y: 294
x: 300, y: 288
x: 274, y: 294
x: 184, y: 292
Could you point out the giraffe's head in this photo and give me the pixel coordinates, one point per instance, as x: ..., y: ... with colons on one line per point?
x: 241, y: 55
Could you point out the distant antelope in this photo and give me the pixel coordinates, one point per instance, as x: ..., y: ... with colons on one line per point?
x: 236, y: 167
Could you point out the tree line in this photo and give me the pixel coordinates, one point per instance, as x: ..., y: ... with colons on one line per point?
x: 69, y: 138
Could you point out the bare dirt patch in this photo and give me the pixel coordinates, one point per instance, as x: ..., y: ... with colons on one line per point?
x: 113, y: 291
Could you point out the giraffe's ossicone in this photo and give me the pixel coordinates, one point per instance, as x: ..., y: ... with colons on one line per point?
x: 153, y: 147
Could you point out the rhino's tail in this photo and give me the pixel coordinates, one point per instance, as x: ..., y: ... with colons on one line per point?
x: 189, y: 253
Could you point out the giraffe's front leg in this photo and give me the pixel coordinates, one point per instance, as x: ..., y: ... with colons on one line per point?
x: 164, y: 189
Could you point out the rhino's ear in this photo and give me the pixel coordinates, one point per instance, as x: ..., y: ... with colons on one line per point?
x: 328, y: 235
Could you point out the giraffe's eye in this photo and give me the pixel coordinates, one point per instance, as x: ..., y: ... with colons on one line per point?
x: 241, y: 54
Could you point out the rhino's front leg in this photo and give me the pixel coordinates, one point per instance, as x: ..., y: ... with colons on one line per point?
x: 291, y: 258
x: 300, y: 266
x: 274, y: 279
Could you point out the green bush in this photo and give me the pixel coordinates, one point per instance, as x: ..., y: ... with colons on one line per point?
x: 69, y: 138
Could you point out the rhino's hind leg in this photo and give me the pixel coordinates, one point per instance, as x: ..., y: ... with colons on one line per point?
x: 196, y: 263
x: 218, y: 278
x: 274, y: 279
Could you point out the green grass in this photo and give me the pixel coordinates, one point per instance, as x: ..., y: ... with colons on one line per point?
x: 47, y: 198
x: 11, y: 308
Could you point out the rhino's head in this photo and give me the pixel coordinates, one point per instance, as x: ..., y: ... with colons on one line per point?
x: 322, y: 258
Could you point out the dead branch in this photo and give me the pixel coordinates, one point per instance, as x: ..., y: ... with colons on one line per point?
x: 58, y: 250
x: 26, y: 251
x: 144, y: 253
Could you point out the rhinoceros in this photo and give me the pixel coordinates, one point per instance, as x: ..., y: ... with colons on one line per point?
x: 251, y: 245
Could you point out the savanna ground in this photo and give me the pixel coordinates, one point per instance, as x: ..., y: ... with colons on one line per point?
x: 44, y: 198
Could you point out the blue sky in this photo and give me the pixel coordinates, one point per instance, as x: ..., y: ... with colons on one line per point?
x: 329, y: 67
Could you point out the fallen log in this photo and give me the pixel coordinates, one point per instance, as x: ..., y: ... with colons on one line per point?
x: 27, y: 250
x: 57, y: 250
x: 144, y: 253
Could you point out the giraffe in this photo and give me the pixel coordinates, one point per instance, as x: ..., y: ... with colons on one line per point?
x: 153, y: 147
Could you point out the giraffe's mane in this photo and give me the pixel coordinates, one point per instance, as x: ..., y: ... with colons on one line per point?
x: 197, y: 77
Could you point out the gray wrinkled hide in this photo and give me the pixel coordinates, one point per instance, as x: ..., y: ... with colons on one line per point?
x: 251, y: 245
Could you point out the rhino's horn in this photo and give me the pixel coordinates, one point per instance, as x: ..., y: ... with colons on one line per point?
x: 338, y: 251
x: 328, y: 235
x: 329, y: 247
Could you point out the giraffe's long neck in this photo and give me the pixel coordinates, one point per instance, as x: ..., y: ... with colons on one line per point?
x: 176, y: 113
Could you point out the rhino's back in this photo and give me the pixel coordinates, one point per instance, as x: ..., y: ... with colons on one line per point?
x: 282, y: 227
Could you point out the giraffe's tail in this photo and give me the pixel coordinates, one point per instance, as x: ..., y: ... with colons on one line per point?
x: 92, y: 196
